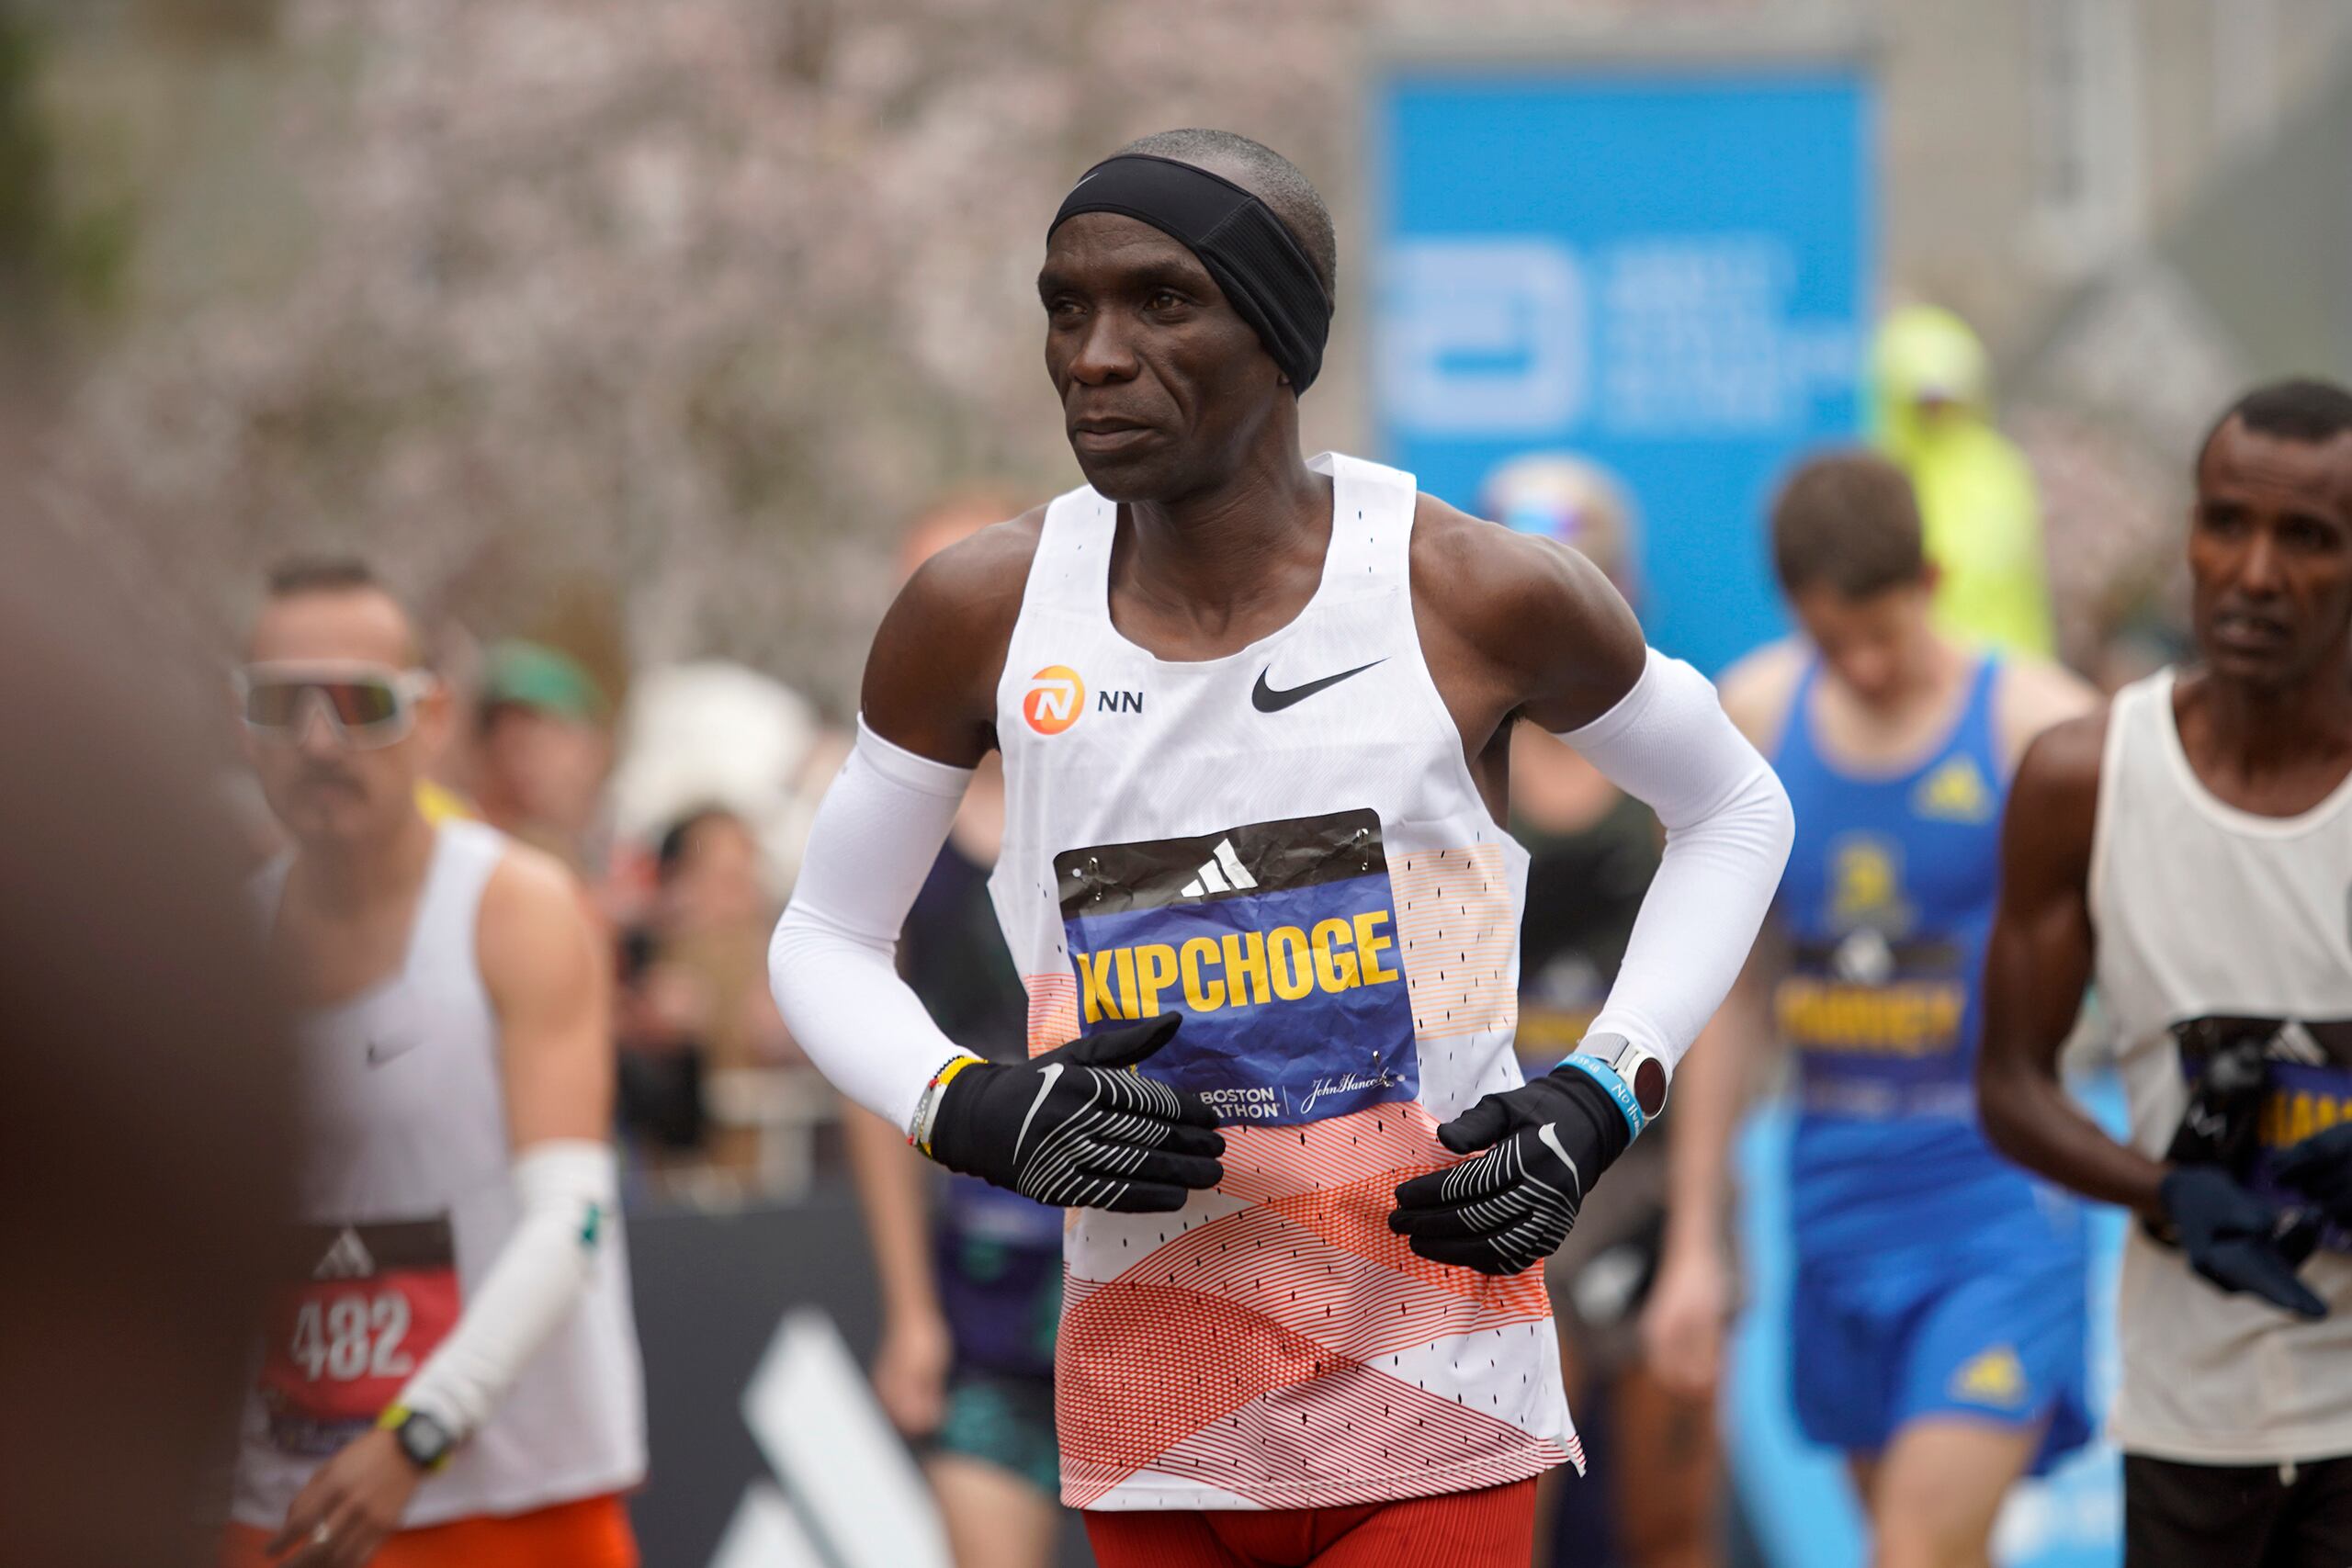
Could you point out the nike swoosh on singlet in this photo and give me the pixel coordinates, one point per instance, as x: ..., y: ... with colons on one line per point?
x: 1265, y: 699
x: 379, y: 1051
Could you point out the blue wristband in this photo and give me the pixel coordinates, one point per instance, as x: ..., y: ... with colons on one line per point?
x: 1619, y: 1091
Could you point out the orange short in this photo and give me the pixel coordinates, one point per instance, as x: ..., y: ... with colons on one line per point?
x: 591, y: 1533
x: 1490, y: 1528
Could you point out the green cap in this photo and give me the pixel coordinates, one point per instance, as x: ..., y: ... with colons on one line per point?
x: 533, y: 675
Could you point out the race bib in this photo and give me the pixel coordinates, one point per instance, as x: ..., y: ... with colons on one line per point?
x: 2306, y: 1089
x: 1277, y: 942
x: 1878, y: 1025
x: 345, y: 1340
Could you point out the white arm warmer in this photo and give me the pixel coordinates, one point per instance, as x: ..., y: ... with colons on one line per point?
x: 568, y: 1189
x: 1728, y: 828
x: 833, y: 963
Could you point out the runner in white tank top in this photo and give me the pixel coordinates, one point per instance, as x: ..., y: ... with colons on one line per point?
x: 2190, y: 848
x: 455, y: 1360
x: 1254, y: 712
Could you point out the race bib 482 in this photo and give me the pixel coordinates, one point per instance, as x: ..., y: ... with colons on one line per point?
x: 1277, y: 942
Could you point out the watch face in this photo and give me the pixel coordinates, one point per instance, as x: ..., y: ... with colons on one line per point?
x: 425, y: 1440
x: 1649, y: 1085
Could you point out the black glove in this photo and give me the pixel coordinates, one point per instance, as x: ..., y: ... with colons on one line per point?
x: 2235, y: 1238
x: 2320, y: 1167
x: 1508, y: 1209
x: 1072, y: 1129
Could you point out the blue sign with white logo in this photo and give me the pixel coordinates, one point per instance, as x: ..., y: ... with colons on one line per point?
x: 1666, y: 274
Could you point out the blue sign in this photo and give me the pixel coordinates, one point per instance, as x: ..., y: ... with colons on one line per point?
x: 1667, y: 273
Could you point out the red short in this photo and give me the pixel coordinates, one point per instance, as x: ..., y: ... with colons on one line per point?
x: 1490, y: 1528
x: 591, y: 1533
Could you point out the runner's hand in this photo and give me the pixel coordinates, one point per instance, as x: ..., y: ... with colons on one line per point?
x: 910, y: 1370
x: 1070, y: 1128
x: 2232, y: 1237
x: 2320, y: 1167
x: 1683, y: 1321
x: 354, y: 1501
x: 1547, y: 1143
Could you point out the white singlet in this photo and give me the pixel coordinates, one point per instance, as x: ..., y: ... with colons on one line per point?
x: 2214, y: 923
x: 407, y: 1196
x: 1286, y: 845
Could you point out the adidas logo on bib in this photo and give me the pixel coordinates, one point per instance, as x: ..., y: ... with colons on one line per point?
x: 348, y: 1259
x: 1221, y: 872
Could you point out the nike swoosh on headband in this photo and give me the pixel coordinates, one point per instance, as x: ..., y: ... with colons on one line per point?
x: 1265, y: 699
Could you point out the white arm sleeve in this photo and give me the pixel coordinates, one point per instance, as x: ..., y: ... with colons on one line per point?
x: 833, y: 961
x: 567, y: 1188
x: 1728, y: 828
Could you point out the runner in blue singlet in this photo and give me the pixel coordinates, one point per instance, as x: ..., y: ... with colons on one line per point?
x: 1937, y: 1314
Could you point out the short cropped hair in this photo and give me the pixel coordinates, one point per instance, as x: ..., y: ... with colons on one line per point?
x: 2302, y: 409
x: 1848, y: 521
x: 322, y: 574
x: 296, y: 576
x: 1276, y: 181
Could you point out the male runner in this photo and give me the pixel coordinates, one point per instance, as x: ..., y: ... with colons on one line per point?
x: 2191, y: 846
x: 1937, y: 1319
x: 452, y: 1380
x: 1254, y: 712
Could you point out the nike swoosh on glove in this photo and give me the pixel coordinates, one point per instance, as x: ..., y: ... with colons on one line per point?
x: 1547, y: 1143
x: 1074, y: 1129
x: 2233, y: 1237
x: 2320, y: 1167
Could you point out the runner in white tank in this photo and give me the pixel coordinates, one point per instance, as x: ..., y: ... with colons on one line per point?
x: 1254, y: 712
x: 2190, y: 848
x: 452, y: 1377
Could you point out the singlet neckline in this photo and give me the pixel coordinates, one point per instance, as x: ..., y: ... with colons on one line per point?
x: 2232, y: 818
x: 1976, y: 687
x: 1328, y: 463
x: 392, y: 980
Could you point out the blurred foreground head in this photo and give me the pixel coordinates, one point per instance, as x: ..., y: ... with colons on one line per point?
x: 2270, y: 537
x: 1849, y: 549
x: 340, y: 720
x: 146, y: 1088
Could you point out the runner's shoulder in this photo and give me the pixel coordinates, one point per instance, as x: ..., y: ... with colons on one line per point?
x: 2033, y: 695
x: 1758, y: 688
x: 2056, y: 788
x: 930, y: 677
x: 1514, y: 596
x: 533, y: 918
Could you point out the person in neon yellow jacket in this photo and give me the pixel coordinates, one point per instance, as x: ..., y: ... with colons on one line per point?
x: 1932, y: 399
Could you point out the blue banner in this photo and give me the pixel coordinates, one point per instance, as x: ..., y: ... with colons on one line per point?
x: 1667, y: 273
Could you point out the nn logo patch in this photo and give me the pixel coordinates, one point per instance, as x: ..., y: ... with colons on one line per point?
x: 1057, y: 697
x: 1277, y: 942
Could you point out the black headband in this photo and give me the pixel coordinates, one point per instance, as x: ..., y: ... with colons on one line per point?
x: 1251, y: 254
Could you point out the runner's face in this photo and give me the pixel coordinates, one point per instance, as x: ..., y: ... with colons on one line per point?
x: 1874, y: 646
x: 325, y: 790
x: 1163, y: 385
x: 2270, y: 557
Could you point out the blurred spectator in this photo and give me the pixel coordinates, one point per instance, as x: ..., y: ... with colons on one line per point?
x: 699, y: 1031
x: 542, y: 750
x: 970, y: 1273
x: 1592, y: 850
x: 1976, y: 494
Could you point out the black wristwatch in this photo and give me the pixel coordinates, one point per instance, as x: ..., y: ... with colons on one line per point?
x: 423, y: 1441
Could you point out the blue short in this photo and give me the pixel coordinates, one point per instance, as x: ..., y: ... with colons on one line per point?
x: 1876, y: 1348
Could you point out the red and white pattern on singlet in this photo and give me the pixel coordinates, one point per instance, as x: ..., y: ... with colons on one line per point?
x: 1273, y: 1345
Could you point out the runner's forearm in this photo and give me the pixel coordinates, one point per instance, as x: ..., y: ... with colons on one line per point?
x: 831, y: 963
